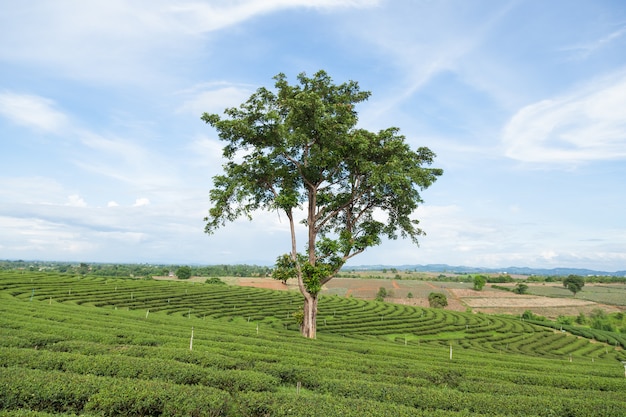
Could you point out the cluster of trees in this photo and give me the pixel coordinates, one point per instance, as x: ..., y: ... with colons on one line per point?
x: 598, y: 319
x: 138, y: 270
x: 600, y: 279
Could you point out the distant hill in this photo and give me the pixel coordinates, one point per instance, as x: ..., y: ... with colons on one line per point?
x: 469, y: 270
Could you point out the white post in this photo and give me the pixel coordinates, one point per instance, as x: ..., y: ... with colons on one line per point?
x: 624, y: 363
x: 191, y: 340
x: 450, y: 351
x: 257, y: 328
x: 147, y: 312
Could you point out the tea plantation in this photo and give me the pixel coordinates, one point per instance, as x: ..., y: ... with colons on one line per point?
x: 97, y: 346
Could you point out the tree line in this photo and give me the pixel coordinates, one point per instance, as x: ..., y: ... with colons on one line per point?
x: 136, y: 270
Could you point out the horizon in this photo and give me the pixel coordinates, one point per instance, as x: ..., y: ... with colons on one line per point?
x: 362, y: 267
x: 105, y: 155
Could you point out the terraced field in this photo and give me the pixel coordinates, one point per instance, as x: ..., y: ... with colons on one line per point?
x: 112, y: 347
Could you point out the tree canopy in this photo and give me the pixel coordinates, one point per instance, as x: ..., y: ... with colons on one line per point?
x: 183, y: 272
x: 437, y: 300
x: 298, y: 149
x: 479, y: 282
x: 574, y: 283
x: 520, y: 288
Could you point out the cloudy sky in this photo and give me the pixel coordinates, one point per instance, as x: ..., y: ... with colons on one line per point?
x: 104, y: 157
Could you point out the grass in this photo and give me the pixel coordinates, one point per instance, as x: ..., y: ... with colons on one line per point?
x: 86, y: 346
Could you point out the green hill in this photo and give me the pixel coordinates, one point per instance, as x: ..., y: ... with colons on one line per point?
x: 98, y: 346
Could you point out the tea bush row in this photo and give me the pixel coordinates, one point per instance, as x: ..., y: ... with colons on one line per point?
x: 275, y: 308
x: 63, y: 392
x: 257, y: 373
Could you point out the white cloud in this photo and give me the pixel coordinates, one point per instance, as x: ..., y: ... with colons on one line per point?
x: 585, y: 125
x: 32, y: 111
x: 584, y: 50
x: 412, y: 42
x: 213, y: 98
x: 141, y: 202
x: 125, y: 160
x: 31, y: 189
x: 41, y: 239
x: 201, y: 16
x: 112, y: 204
x: 76, y: 201
x: 123, y: 40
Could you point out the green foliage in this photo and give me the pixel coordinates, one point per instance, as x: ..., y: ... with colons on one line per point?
x: 285, y: 268
x: 437, y: 300
x: 135, y: 270
x: 520, y: 288
x: 500, y: 279
x: 529, y: 315
x: 302, y: 146
x: 299, y: 317
x: 382, y: 293
x: 184, y: 272
x: 479, y: 282
x: 79, y: 355
x: 214, y: 281
x: 602, y: 321
x: 574, y: 283
x: 313, y: 275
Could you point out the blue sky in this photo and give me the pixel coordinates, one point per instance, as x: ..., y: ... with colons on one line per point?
x: 104, y: 157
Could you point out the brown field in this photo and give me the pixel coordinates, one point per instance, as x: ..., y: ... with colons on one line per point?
x: 461, y: 296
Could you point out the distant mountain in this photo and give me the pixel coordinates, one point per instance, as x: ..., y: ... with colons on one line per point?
x: 469, y: 270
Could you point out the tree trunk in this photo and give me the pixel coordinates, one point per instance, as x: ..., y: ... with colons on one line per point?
x: 309, y: 326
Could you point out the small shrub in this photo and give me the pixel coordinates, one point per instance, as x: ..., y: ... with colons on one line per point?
x: 437, y: 300
x: 520, y: 288
x: 382, y: 293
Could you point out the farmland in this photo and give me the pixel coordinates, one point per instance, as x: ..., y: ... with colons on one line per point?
x: 99, y: 346
x: 545, y: 299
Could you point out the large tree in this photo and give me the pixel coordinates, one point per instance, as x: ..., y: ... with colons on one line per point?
x: 297, y: 149
x: 574, y: 283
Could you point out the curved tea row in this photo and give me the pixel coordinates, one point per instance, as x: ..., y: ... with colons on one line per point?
x: 108, y: 347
